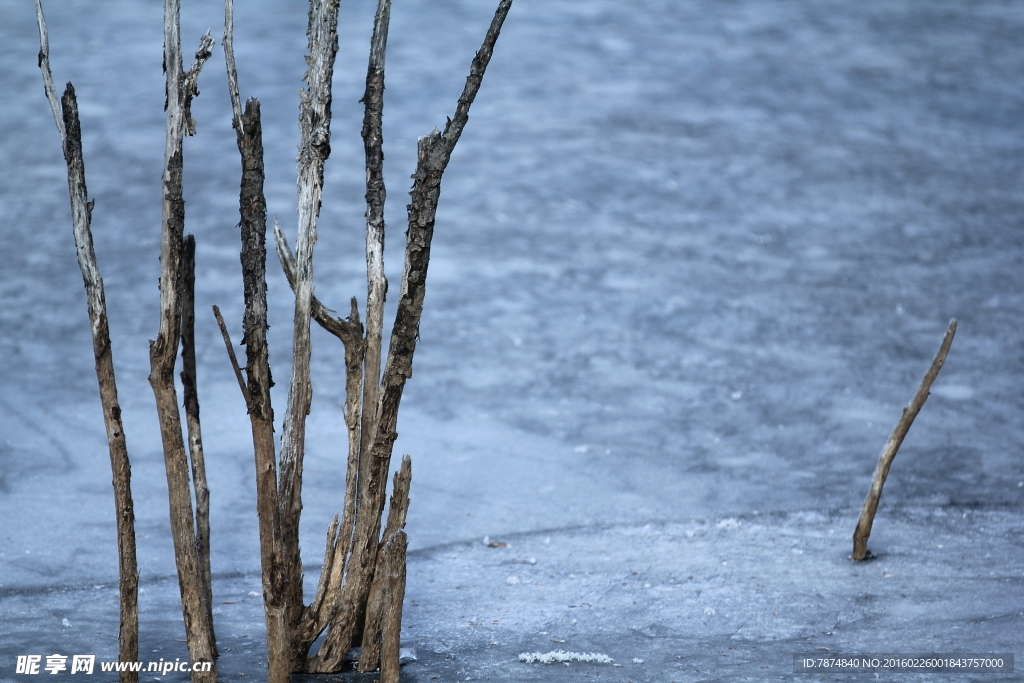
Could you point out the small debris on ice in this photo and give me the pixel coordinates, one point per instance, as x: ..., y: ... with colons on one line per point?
x: 728, y: 523
x: 736, y: 395
x: 512, y: 580
x: 495, y: 544
x: 708, y: 612
x: 65, y: 623
x: 558, y: 656
x: 637, y: 660
x: 254, y: 594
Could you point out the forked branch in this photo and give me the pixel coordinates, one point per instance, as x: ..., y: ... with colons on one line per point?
x: 163, y: 351
x: 434, y: 153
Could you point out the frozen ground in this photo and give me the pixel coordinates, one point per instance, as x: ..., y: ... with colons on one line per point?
x: 692, y: 259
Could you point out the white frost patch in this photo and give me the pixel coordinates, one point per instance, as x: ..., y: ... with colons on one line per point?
x: 637, y: 660
x: 512, y: 580
x: 728, y: 523
x: 557, y: 656
x: 708, y: 612
x: 65, y: 623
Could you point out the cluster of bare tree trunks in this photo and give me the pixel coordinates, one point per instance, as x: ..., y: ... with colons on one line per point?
x: 361, y: 585
x: 359, y: 596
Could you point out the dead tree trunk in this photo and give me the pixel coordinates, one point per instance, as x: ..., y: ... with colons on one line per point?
x: 68, y: 125
x: 195, y: 434
x: 253, y: 224
x: 347, y: 622
x: 361, y: 586
x: 163, y: 351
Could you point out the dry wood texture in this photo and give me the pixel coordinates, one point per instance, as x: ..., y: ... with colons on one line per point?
x: 867, y: 514
x: 360, y: 564
x: 434, y: 153
x: 350, y: 331
x: 181, y: 88
x: 394, y: 572
x: 65, y: 115
x: 253, y: 226
x: 377, y: 603
x: 195, y: 436
x: 314, y: 148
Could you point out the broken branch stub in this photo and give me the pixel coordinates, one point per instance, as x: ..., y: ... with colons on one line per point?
x: 867, y: 514
x: 65, y: 113
x: 394, y: 571
x: 377, y: 603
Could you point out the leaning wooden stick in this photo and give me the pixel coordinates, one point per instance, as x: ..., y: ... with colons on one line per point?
x: 867, y: 513
x: 65, y: 114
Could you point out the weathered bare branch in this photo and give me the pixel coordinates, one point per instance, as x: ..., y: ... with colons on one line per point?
x: 434, y: 152
x: 318, y: 614
x: 376, y: 194
x: 347, y: 330
x: 229, y: 60
x: 253, y: 224
x: 867, y: 514
x: 376, y: 603
x: 394, y: 568
x: 453, y: 129
x: 191, y: 86
x: 314, y: 148
x: 195, y: 435
x: 231, y: 355
x: 163, y: 350
x: 65, y: 115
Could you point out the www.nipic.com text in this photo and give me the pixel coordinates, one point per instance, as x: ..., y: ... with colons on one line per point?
x: 86, y: 664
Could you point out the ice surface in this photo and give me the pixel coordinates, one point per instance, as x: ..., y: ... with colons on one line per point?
x: 692, y: 258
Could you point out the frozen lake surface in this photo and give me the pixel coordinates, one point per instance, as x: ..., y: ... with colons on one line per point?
x: 691, y: 260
